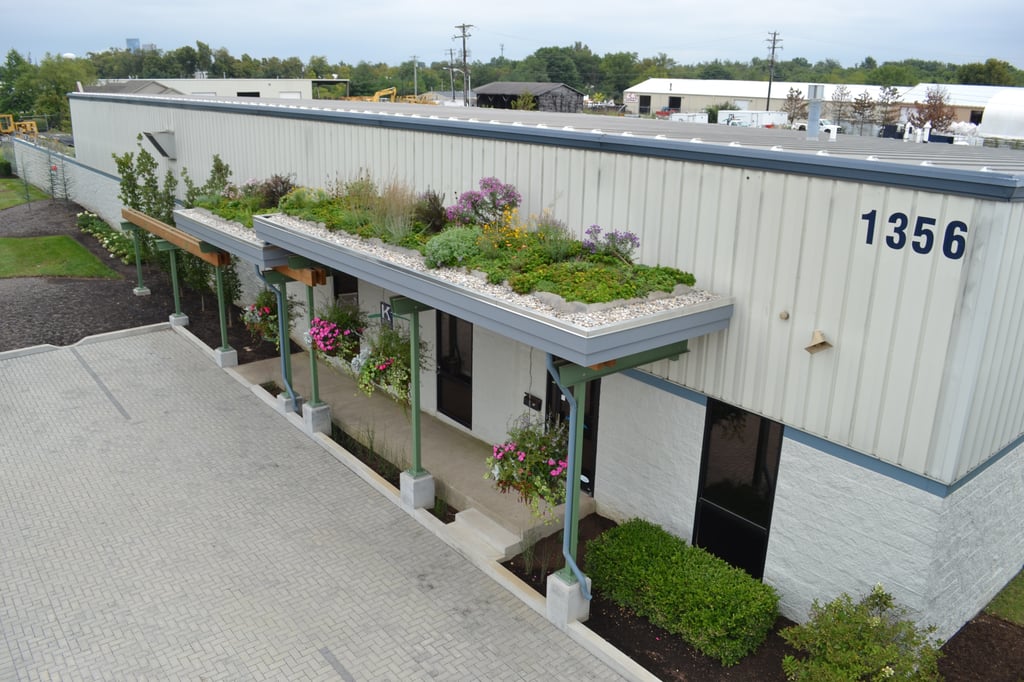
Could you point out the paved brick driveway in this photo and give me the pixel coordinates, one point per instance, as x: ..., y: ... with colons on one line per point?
x: 158, y: 521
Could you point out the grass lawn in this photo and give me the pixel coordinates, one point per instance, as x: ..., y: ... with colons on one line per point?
x: 57, y: 256
x: 1009, y: 604
x: 12, y: 192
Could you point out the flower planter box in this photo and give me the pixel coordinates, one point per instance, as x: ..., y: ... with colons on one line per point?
x: 230, y: 236
x: 583, y: 338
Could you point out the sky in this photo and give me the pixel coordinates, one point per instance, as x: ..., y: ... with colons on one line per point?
x: 397, y: 30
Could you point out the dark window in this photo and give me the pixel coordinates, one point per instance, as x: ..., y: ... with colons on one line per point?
x: 455, y: 368
x: 645, y: 104
x: 737, y: 485
x: 344, y: 284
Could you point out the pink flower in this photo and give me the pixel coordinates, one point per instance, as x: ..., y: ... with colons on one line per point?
x: 551, y: 462
x: 522, y: 456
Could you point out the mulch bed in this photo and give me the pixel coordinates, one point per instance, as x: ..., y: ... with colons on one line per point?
x: 61, y: 311
x: 987, y: 649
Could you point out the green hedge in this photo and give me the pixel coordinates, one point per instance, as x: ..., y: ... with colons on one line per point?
x: 6, y: 170
x: 720, y: 610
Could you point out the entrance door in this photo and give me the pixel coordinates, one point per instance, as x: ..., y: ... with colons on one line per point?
x: 455, y: 368
x: 737, y: 485
x: 558, y: 408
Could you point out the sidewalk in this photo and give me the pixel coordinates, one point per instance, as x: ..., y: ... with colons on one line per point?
x: 159, y: 520
x: 455, y: 458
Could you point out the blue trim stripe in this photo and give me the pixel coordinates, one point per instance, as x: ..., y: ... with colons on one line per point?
x: 667, y: 386
x: 874, y: 464
x: 844, y: 453
x: 1013, y: 445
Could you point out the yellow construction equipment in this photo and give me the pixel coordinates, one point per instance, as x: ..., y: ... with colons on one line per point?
x: 385, y: 95
x: 418, y: 99
x: 8, y: 126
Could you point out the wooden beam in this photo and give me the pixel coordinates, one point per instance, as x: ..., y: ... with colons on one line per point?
x: 175, y: 236
x: 311, y: 277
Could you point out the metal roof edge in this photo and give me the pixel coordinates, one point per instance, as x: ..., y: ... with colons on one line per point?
x: 993, y: 185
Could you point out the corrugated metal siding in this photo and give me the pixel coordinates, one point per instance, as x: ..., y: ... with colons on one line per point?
x: 985, y: 387
x: 777, y: 242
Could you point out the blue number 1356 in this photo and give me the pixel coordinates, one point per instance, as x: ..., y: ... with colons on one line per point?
x: 920, y: 234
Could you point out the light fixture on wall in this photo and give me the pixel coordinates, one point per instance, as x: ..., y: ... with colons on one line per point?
x: 818, y: 343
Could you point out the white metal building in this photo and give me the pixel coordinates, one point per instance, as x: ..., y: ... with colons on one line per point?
x: 861, y: 418
x: 695, y: 94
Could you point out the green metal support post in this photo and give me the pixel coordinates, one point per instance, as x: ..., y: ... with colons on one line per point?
x: 222, y: 308
x: 406, y: 306
x: 414, y: 390
x: 283, y: 339
x: 172, y: 251
x: 313, y: 376
x: 572, y: 511
x: 141, y: 289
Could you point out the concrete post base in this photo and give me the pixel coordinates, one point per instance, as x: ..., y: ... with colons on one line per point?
x: 416, y: 492
x: 179, y: 320
x: 141, y: 291
x: 226, y: 357
x: 565, y: 603
x: 285, y: 404
x: 316, y: 419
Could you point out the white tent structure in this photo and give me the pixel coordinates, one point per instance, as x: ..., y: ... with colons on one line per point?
x: 1004, y: 116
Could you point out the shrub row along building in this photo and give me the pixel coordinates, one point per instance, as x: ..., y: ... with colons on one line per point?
x: 853, y: 414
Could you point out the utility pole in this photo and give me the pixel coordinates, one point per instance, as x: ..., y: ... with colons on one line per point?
x: 451, y: 70
x: 463, y: 28
x: 774, y: 43
x: 415, y: 82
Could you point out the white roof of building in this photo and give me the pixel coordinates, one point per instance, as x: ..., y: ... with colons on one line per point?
x: 1004, y: 115
x: 958, y: 95
x: 751, y: 89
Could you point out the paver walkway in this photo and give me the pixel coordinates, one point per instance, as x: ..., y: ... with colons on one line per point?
x: 158, y: 521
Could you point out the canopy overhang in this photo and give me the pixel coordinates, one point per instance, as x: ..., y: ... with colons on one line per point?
x: 584, y: 346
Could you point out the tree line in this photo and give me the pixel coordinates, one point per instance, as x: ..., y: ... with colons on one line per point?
x: 38, y: 89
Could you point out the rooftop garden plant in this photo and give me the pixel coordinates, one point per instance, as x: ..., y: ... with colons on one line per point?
x: 483, y: 231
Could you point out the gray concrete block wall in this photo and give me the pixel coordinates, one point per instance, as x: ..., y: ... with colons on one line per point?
x: 93, y: 190
x: 650, y: 469
x: 838, y: 527
x: 981, y: 544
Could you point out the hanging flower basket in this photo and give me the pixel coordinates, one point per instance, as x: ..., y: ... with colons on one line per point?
x: 336, y: 331
x: 531, y: 462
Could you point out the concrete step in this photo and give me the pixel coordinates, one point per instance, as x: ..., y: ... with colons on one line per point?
x: 480, y: 535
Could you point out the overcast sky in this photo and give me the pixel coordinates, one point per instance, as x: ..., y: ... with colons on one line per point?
x: 393, y: 31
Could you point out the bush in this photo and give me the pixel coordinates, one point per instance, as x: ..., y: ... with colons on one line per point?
x: 867, y: 640
x: 6, y: 170
x: 720, y: 610
x: 453, y: 247
x: 119, y: 244
x: 429, y: 212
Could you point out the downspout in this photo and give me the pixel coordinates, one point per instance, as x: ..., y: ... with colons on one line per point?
x: 571, y: 487
x: 281, y: 336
